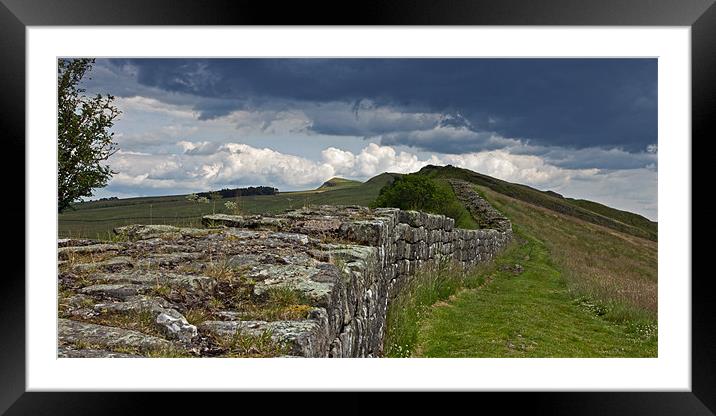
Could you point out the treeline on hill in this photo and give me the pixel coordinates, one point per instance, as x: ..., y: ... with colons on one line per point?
x: 233, y: 193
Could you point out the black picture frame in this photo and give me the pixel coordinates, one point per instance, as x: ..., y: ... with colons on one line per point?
x: 15, y: 15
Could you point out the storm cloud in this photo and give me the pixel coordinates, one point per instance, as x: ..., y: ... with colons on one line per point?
x: 562, y: 124
x: 564, y: 102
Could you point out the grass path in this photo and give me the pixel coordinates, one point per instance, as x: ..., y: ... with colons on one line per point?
x: 530, y: 314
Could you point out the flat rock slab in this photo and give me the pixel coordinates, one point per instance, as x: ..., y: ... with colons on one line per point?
x: 65, y: 252
x: 113, y: 263
x: 239, y: 221
x: 298, y: 335
x: 117, y: 291
x: 135, y: 303
x: 65, y: 352
x: 73, y: 332
x: 166, y: 259
x: 64, y: 242
x: 168, y: 232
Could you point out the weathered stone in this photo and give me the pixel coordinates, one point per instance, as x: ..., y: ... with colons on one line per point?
x: 412, y: 218
x: 485, y: 215
x: 69, y: 352
x: 74, y: 332
x: 238, y: 221
x: 134, y: 303
x: 302, y: 337
x: 143, y: 232
x: 67, y: 251
x: 278, y: 275
x: 166, y: 259
x: 195, y: 287
x: 113, y: 263
x: 65, y: 242
x: 117, y: 291
x: 175, y: 325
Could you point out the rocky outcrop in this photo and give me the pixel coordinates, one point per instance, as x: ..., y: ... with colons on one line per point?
x: 313, y: 282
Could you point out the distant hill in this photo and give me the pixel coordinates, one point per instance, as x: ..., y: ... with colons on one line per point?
x: 336, y: 183
x: 593, y: 212
x: 383, y: 179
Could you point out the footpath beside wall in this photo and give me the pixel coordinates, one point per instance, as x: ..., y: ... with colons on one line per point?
x: 348, y: 261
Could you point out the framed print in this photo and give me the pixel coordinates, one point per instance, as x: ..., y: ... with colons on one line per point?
x: 458, y: 197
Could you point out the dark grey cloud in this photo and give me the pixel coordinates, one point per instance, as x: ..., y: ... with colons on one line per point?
x: 575, y: 103
x: 449, y: 140
x: 594, y: 157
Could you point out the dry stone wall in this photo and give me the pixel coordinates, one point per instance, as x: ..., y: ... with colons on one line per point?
x: 346, y: 263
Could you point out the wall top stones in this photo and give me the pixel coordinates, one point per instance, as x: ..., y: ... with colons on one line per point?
x: 484, y: 213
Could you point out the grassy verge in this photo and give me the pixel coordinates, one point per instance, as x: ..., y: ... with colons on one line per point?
x: 531, y: 314
x: 423, y: 290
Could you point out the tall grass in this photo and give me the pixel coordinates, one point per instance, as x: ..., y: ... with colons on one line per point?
x: 600, y: 266
x: 424, y: 289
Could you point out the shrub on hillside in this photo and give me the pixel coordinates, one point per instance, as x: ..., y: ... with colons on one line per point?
x: 413, y: 192
x: 420, y: 193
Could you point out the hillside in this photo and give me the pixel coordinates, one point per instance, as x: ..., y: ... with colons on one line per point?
x: 589, y: 211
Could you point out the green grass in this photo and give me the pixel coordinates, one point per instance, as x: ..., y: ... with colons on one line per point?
x: 532, y: 314
x: 424, y: 289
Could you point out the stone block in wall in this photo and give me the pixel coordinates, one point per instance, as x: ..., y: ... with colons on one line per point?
x: 434, y: 222
x: 412, y: 251
x: 399, y: 249
x: 412, y: 218
x: 411, y: 236
x: 407, y: 250
x: 363, y: 232
x: 402, y: 230
x: 434, y: 236
x: 387, y: 212
x: 424, y: 250
x: 449, y: 224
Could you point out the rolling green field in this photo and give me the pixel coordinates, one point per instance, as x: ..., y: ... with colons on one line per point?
x: 586, y: 286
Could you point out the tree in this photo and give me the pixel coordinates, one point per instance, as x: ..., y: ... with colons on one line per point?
x: 83, y: 136
x: 421, y: 193
x: 413, y: 192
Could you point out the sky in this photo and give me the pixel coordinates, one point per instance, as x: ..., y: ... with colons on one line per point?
x: 585, y: 128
